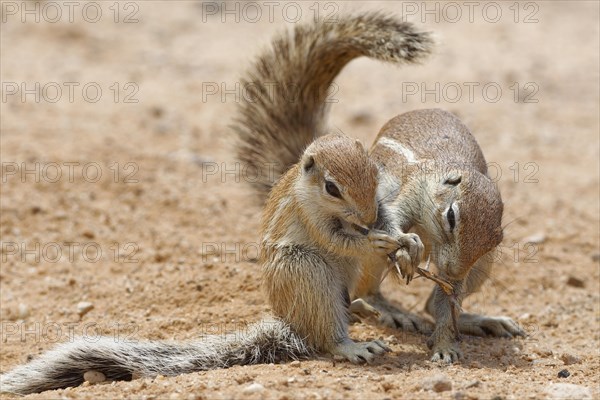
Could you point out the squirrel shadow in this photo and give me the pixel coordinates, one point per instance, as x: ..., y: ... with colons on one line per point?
x: 477, y: 351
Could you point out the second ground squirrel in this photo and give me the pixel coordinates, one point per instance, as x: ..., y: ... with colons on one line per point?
x: 333, y: 216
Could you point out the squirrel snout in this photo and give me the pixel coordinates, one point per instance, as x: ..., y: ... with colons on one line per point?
x: 369, y: 218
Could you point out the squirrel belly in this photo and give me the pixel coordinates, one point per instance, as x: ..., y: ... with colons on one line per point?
x: 314, y: 195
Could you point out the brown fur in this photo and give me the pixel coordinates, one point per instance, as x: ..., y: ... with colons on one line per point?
x: 432, y: 162
x: 309, y: 246
x: 288, y: 85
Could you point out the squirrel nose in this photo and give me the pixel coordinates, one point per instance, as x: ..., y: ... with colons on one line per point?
x: 369, y: 219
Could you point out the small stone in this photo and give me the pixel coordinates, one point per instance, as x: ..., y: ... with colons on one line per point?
x: 23, y: 311
x: 569, y: 359
x: 543, y: 352
x: 84, y: 307
x: 537, y: 238
x: 254, y: 388
x: 465, y: 396
x: 157, y: 111
x: 243, y: 378
x: 94, y: 377
x: 362, y: 117
x: 472, y: 384
x: 291, y: 380
x: 568, y: 391
x: 575, y: 282
x: 36, y: 209
x: 88, y: 234
x: 564, y: 373
x: 437, y: 383
x: 295, y: 364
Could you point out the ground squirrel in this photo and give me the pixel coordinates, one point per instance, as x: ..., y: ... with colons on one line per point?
x: 435, y: 179
x: 316, y: 227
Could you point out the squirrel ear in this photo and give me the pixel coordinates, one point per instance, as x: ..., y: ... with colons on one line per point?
x: 453, y: 179
x: 309, y: 162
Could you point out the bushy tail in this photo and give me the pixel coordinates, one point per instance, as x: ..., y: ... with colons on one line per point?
x: 264, y: 342
x: 285, y: 106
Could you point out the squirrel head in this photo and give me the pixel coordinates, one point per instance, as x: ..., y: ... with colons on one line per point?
x: 339, y: 179
x: 466, y: 222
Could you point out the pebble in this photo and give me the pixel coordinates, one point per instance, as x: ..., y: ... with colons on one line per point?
x: 295, y: 364
x: 361, y: 117
x: 537, y: 238
x: 543, y: 352
x: 472, y: 384
x: 254, y: 388
x: 437, y: 383
x: 575, y: 282
x: 94, y: 377
x: 569, y: 359
x: 23, y: 311
x: 391, y: 339
x: 84, y: 307
x: 568, y: 391
x: 564, y: 373
x: 465, y: 396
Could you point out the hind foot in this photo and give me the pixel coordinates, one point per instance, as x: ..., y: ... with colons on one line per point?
x: 479, y: 325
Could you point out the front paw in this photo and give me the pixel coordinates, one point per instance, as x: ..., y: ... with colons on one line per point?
x: 448, y: 353
x: 479, y: 325
x: 360, y: 353
x: 409, y: 255
x: 445, y: 348
x: 382, y: 242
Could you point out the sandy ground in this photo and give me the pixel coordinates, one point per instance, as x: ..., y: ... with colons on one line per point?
x: 163, y: 246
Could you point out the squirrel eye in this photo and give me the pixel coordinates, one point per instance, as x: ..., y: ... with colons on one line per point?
x: 451, y: 218
x: 332, y: 189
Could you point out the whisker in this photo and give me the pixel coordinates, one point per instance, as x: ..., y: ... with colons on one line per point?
x: 393, y: 191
